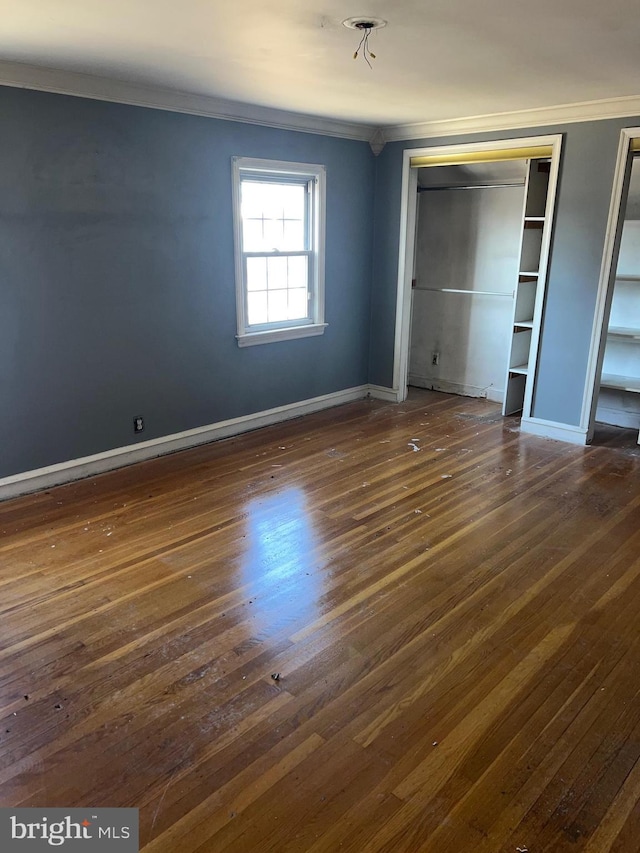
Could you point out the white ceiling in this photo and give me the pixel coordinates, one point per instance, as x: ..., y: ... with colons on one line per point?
x: 436, y: 59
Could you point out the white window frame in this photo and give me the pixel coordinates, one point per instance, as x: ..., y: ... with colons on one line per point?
x: 274, y: 170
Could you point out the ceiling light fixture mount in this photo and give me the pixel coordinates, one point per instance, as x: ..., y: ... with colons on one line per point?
x: 364, y: 25
x: 364, y: 22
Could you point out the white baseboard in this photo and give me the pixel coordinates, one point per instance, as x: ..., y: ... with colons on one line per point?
x: 496, y: 395
x: 380, y: 392
x: 551, y: 429
x: 88, y: 466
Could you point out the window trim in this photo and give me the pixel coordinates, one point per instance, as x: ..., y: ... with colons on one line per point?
x: 285, y: 330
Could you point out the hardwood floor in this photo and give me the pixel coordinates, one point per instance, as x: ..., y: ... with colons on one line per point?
x: 452, y: 608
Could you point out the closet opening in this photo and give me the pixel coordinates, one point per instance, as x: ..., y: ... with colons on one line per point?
x: 468, y: 229
x: 616, y: 399
x: 474, y: 247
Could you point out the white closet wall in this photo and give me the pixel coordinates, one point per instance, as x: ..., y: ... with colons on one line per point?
x: 467, y: 240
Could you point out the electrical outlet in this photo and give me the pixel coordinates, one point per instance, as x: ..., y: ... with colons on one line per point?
x: 138, y: 424
x: 435, y: 358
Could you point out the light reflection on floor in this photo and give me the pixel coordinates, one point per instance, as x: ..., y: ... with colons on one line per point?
x: 281, y: 560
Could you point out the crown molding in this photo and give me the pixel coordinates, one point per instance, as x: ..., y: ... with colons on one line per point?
x: 543, y: 116
x: 77, y: 84
x: 40, y: 78
x: 377, y: 141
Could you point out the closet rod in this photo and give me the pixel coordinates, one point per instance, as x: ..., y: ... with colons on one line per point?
x: 472, y: 292
x: 470, y: 187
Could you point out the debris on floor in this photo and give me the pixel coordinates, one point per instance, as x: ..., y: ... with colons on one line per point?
x: 275, y: 676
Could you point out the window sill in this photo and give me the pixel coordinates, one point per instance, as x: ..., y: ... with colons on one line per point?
x: 250, y: 339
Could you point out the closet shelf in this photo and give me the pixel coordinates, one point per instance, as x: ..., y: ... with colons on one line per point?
x: 620, y: 383
x: 523, y: 369
x: 623, y: 277
x: 523, y: 324
x: 625, y: 333
x: 467, y: 291
x: 534, y: 273
x: 534, y: 222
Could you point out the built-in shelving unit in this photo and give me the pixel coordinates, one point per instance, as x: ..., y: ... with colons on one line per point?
x: 621, y: 367
x: 529, y: 287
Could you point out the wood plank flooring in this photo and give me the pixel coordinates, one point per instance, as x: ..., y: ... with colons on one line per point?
x: 452, y: 608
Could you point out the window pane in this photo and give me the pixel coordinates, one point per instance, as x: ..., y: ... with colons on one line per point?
x: 252, y: 235
x: 298, y: 269
x: 253, y: 196
x: 257, y: 308
x: 291, y: 201
x: 277, y: 305
x: 298, y: 304
x: 273, y: 216
x: 272, y: 234
x: 293, y: 237
x: 277, y: 273
x: 256, y: 274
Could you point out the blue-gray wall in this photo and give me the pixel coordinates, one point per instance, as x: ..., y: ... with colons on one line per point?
x: 117, y: 294
x: 586, y: 180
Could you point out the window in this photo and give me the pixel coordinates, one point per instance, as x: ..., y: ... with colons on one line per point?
x: 279, y: 234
